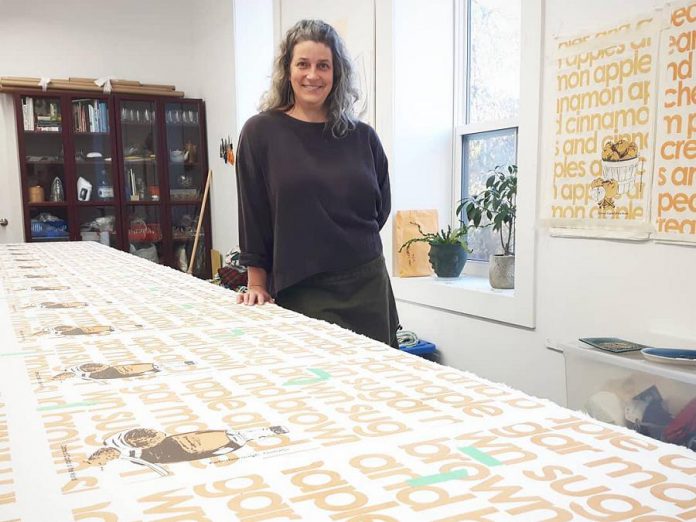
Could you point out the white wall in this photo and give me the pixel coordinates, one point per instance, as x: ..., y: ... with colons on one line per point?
x: 146, y: 41
x: 640, y: 291
x: 254, y: 51
x: 213, y: 77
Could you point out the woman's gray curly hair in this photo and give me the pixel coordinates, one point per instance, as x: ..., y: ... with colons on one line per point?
x: 343, y: 95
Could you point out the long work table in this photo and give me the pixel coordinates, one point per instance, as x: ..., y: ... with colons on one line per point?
x: 131, y: 391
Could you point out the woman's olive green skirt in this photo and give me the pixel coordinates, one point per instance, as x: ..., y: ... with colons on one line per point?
x: 359, y: 299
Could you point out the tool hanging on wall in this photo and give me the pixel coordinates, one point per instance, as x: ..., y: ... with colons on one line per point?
x: 226, y: 150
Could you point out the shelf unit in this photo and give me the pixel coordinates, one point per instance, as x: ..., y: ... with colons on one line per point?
x: 132, y: 170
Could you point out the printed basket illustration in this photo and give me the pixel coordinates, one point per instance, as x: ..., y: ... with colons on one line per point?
x: 57, y: 228
x: 624, y: 172
x: 141, y: 232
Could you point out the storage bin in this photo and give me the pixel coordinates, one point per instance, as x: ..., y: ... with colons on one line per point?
x: 619, y: 387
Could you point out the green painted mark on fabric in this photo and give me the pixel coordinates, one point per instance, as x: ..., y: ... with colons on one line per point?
x: 480, y: 456
x: 436, y: 479
x: 228, y: 334
x: 186, y: 306
x: 64, y: 406
x: 18, y: 353
x: 321, y: 375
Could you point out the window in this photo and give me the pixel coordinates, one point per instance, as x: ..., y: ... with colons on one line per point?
x: 487, y: 100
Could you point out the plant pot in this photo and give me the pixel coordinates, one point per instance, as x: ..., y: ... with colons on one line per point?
x: 501, y: 271
x: 447, y: 260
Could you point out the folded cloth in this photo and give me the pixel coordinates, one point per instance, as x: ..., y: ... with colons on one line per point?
x: 683, y: 427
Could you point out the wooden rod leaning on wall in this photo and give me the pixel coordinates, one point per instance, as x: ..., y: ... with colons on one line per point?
x: 200, y: 221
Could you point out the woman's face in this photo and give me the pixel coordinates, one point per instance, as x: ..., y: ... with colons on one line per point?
x: 311, y: 74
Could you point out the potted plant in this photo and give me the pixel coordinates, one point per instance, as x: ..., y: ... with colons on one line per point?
x: 448, y: 249
x: 497, y: 203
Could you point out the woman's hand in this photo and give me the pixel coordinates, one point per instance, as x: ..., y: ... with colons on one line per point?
x: 255, y: 294
x: 256, y: 288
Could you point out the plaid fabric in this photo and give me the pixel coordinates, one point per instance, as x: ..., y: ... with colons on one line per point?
x: 232, y: 277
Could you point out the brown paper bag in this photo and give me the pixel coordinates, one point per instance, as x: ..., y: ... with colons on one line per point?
x: 413, y: 261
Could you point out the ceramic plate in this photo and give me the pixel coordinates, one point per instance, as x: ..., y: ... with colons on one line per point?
x: 670, y: 355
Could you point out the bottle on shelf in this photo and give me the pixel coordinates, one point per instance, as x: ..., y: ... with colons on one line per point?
x: 105, y: 189
x: 57, y: 192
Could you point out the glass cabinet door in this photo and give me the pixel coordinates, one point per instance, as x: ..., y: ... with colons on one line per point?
x: 145, y: 232
x: 99, y: 223
x: 139, y: 141
x: 44, y: 168
x: 186, y: 176
x: 187, y: 173
x: 95, y: 182
x: 93, y: 156
x: 184, y: 221
x: 140, y: 180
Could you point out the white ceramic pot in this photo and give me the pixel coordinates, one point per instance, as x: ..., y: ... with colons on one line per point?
x: 501, y: 271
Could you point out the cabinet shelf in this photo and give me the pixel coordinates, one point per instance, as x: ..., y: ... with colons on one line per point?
x: 196, y: 201
x: 181, y: 238
x: 41, y: 133
x: 95, y: 161
x: 96, y: 203
x: 183, y: 164
x: 141, y: 202
x: 47, y: 239
x: 44, y: 162
x: 143, y: 160
x: 48, y: 204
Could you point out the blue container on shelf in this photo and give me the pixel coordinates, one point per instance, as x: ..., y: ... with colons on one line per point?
x: 58, y: 228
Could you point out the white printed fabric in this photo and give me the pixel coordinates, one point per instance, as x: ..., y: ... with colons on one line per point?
x: 130, y: 391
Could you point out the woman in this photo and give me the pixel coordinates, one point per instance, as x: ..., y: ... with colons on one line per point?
x: 313, y: 190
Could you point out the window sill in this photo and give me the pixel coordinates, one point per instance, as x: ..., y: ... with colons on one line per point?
x: 467, y: 294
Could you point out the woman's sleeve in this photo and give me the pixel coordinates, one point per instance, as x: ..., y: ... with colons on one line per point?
x: 382, y: 170
x: 255, y: 226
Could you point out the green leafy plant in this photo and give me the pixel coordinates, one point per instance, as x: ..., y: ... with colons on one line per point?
x: 497, y: 203
x: 456, y: 236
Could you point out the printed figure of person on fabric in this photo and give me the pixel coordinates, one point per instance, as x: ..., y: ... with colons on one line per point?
x: 151, y: 448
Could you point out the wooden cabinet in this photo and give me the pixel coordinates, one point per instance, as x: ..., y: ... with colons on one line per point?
x: 128, y: 171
